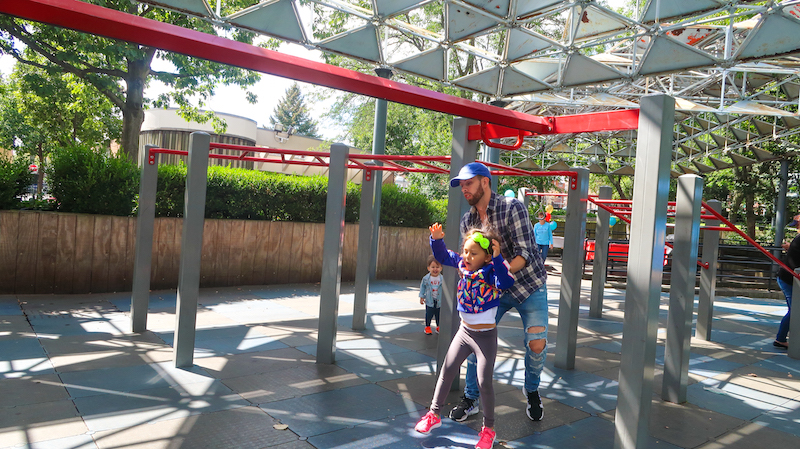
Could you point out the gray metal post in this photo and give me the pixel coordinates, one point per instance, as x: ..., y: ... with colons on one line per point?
x: 645, y: 267
x: 463, y: 152
x: 570, y: 300
x: 780, y: 208
x: 794, y: 323
x: 331, y: 282
x: 194, y: 211
x: 708, y: 277
x: 493, y: 156
x: 365, y: 256
x: 522, y: 195
x: 145, y: 221
x: 681, y: 292
x: 600, y: 263
x: 378, y: 147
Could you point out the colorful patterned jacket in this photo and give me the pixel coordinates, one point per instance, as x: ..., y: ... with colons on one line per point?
x: 478, y: 291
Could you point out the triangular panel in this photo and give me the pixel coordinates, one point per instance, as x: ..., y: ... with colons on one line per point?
x: 721, y: 141
x: 278, y: 19
x: 626, y: 152
x: 720, y: 164
x: 755, y: 108
x: 791, y: 122
x: 195, y: 7
x: 595, y: 149
x: 484, y: 82
x: 669, y: 9
x: 581, y: 70
x: 529, y: 7
x: 689, y: 151
x: 528, y: 164
x: 496, y: 7
x: 703, y: 168
x: 625, y: 170
x: 462, y: 22
x: 741, y: 161
x: 389, y: 7
x: 516, y: 82
x: 686, y: 170
x: 593, y: 21
x: 704, y: 146
x: 559, y: 166
x: 360, y: 43
x: 522, y: 43
x: 763, y: 127
x: 539, y: 68
x: 775, y: 35
x: 742, y: 135
x: 430, y: 64
x: 668, y: 55
x: 594, y: 168
x: 762, y: 155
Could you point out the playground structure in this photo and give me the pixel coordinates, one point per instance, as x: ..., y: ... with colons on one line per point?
x: 648, y: 208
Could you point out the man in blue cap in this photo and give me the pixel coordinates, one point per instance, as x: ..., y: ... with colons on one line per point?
x: 509, y: 218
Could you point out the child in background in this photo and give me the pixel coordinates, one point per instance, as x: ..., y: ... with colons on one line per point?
x: 543, y: 234
x: 429, y: 293
x: 484, y: 273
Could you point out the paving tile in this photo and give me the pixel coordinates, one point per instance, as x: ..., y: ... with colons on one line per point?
x: 589, y: 433
x: 21, y: 357
x: 393, y: 366
x: 256, y: 311
x: 712, y: 397
x: 321, y: 413
x: 785, y: 418
x: 159, y: 301
x: 371, y: 349
x: 752, y: 435
x: 79, y: 324
x: 781, y: 364
x: 128, y: 379
x: 588, y: 392
x: 767, y: 381
x: 687, y: 425
x: 40, y: 422
x: 9, y: 306
x: 122, y: 410
x: 244, y: 427
x: 13, y: 327
x: 248, y: 363
x: 31, y: 390
x: 296, y: 382
x: 228, y: 340
x: 73, y: 442
x: 713, y: 368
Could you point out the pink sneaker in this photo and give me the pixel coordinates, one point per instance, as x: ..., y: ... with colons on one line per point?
x: 487, y: 438
x: 428, y: 422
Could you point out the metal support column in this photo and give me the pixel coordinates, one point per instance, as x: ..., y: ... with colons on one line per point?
x: 708, y: 278
x: 522, y: 195
x: 493, y: 155
x: 600, y: 263
x: 645, y: 267
x: 681, y: 292
x: 378, y: 147
x: 463, y: 152
x: 194, y: 211
x: 365, y: 257
x: 794, y: 323
x: 572, y: 266
x: 331, y: 282
x: 145, y: 221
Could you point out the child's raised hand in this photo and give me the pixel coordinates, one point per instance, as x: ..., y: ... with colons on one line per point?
x: 436, y: 231
x: 495, y: 248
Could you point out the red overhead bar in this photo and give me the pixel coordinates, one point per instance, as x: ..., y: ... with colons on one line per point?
x: 114, y: 24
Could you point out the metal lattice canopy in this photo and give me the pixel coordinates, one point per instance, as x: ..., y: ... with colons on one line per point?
x: 732, y: 65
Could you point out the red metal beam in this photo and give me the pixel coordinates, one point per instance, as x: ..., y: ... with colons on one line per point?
x: 114, y: 24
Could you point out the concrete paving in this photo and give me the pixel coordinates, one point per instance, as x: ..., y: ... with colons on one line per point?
x: 73, y: 376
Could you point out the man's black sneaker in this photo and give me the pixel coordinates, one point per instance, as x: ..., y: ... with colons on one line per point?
x: 534, y: 410
x: 464, y: 409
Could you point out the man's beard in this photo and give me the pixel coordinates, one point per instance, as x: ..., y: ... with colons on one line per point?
x: 477, y: 196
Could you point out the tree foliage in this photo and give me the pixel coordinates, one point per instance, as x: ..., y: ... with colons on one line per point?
x: 120, y: 71
x: 292, y: 112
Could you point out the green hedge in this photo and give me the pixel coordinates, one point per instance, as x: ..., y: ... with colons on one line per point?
x: 15, y: 177
x: 247, y: 194
x: 83, y: 180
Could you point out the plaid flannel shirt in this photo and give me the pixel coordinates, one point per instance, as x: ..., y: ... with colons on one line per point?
x: 509, y: 219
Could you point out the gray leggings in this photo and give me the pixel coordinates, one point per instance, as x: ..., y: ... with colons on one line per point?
x: 465, y: 342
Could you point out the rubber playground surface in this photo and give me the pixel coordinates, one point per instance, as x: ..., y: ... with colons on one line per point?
x: 73, y: 376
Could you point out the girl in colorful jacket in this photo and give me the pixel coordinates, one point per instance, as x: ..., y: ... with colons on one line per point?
x: 484, y: 274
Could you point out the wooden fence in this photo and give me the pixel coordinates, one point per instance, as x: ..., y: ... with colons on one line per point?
x: 48, y: 252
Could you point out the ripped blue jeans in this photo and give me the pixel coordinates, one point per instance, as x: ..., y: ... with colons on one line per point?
x: 533, y: 312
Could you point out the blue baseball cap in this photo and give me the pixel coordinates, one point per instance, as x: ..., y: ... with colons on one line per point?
x: 470, y: 171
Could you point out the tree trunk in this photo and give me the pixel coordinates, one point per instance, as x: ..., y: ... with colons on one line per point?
x: 133, y: 111
x: 40, y: 172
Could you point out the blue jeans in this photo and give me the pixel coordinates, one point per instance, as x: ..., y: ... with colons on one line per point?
x: 783, y: 329
x: 533, y: 312
x: 544, y: 249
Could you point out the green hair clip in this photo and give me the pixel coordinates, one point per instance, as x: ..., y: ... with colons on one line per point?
x: 481, y: 240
